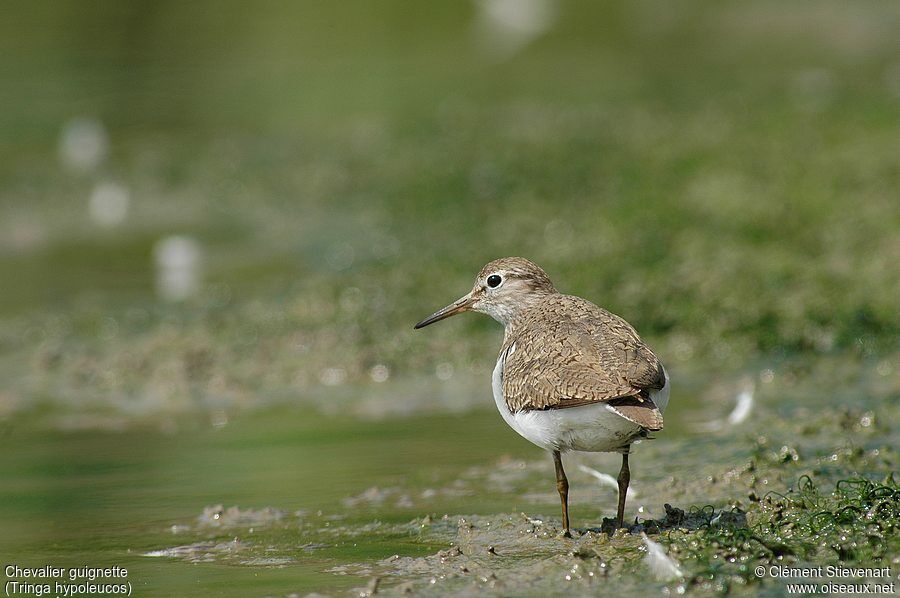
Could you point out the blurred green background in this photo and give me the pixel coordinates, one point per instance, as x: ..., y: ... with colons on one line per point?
x: 207, y: 207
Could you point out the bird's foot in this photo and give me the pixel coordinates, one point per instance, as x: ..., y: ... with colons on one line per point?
x: 609, y: 526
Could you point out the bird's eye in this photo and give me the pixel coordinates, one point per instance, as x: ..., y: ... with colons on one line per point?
x: 494, y: 281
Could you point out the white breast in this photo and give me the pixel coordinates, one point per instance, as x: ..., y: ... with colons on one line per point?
x: 590, y: 428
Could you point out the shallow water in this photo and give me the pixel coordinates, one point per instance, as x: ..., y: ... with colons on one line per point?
x: 105, y: 498
x: 101, y: 498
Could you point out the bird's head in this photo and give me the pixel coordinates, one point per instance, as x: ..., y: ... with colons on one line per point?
x: 502, y: 289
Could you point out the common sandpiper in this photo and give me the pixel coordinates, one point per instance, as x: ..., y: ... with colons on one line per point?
x: 570, y: 376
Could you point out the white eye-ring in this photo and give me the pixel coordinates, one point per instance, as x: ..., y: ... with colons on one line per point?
x: 494, y: 281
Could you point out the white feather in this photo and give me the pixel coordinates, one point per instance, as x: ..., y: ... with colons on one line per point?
x: 606, y: 480
x: 663, y: 567
x: 743, y: 406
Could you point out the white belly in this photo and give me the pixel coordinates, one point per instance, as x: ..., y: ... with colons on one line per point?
x: 591, y: 428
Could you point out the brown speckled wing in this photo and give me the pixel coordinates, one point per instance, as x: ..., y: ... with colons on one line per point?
x: 567, y: 352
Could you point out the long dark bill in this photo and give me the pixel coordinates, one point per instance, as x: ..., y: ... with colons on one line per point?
x: 460, y: 305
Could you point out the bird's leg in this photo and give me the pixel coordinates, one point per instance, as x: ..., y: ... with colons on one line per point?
x: 624, y: 478
x: 562, y: 486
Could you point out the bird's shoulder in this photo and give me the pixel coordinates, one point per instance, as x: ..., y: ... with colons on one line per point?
x: 566, y: 351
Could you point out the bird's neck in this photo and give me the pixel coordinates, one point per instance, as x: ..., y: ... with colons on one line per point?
x: 512, y: 317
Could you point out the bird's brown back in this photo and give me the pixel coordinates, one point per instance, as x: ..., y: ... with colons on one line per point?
x: 569, y: 352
